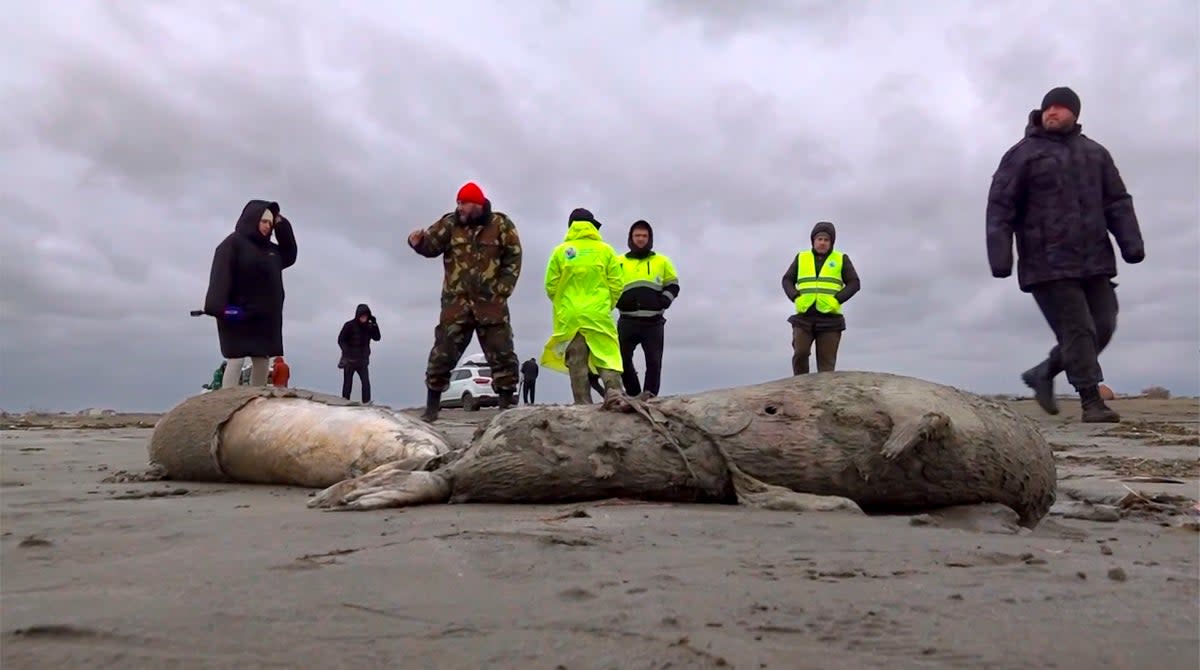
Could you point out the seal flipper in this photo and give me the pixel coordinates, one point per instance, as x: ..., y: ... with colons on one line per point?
x: 907, y: 434
x: 389, y: 485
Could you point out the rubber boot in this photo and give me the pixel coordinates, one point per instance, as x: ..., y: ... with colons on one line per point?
x: 1042, y: 384
x: 581, y: 392
x: 1094, y: 409
x: 506, y: 400
x: 577, y: 355
x: 433, y: 404
x: 613, y: 386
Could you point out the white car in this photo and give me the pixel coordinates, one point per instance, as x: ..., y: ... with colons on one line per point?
x: 470, y: 388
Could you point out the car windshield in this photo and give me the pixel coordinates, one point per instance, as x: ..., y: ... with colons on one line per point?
x: 484, y: 372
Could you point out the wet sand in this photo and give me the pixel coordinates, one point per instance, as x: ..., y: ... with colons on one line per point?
x: 183, y: 575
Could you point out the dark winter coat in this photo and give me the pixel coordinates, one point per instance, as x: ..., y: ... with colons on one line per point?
x: 1060, y: 195
x: 529, y: 370
x: 355, y: 338
x: 247, y: 272
x: 812, y: 319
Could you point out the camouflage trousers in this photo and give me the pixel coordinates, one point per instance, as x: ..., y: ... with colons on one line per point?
x: 577, y: 355
x: 450, y: 340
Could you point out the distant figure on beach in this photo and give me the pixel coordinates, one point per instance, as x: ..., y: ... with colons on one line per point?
x: 245, y: 289
x: 529, y: 375
x: 650, y: 288
x: 583, y: 282
x: 1060, y: 194
x: 281, y: 373
x: 481, y: 258
x: 818, y: 282
x: 355, y: 342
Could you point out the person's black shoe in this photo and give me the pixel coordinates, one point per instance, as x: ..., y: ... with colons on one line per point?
x: 1043, y: 388
x: 433, y: 404
x: 1094, y: 409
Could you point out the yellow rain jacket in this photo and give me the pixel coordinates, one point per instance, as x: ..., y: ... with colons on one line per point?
x: 583, y: 282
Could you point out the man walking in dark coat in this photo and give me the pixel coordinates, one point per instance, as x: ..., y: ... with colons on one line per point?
x: 529, y: 375
x: 355, y: 342
x: 245, y: 290
x: 1060, y: 194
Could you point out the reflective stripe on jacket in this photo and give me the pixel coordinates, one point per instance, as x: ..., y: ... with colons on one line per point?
x: 819, y: 289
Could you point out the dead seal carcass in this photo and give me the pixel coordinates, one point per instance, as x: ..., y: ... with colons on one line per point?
x: 270, y: 435
x: 884, y: 441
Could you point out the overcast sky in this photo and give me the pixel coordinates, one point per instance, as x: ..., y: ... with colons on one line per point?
x: 134, y: 132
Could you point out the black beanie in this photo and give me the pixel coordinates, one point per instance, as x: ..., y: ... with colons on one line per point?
x: 1064, y: 96
x: 581, y: 214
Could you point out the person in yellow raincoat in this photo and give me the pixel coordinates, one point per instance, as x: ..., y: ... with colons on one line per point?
x: 583, y: 282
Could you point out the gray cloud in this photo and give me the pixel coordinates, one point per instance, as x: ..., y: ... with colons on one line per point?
x: 134, y: 134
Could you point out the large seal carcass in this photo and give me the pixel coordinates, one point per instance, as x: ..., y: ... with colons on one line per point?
x: 875, y: 442
x: 268, y: 435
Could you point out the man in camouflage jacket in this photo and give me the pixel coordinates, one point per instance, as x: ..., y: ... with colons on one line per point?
x: 481, y: 254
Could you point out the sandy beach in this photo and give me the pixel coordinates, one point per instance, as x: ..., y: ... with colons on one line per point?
x: 184, y: 575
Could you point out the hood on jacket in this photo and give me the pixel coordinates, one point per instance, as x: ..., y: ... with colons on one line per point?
x: 247, y: 223
x: 827, y: 228
x: 581, y: 230
x: 362, y: 309
x: 635, y: 252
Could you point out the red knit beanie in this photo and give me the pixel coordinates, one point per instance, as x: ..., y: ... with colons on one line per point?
x: 470, y: 192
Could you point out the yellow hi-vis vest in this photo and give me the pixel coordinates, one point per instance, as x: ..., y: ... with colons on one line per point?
x: 820, y: 290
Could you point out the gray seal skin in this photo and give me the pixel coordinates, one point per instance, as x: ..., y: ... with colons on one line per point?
x: 866, y: 441
x: 288, y: 436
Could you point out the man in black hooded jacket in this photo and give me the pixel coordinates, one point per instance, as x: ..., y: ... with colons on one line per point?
x: 651, y: 287
x: 818, y: 282
x: 355, y: 343
x: 1058, y: 192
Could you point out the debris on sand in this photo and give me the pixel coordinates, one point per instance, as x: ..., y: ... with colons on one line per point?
x: 1158, y: 433
x: 35, y: 541
x: 1082, y: 509
x: 1166, y: 509
x: 154, y: 473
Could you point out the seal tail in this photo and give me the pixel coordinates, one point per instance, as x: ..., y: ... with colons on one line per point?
x: 389, y: 485
x: 908, y: 433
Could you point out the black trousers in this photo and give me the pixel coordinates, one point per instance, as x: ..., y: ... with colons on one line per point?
x: 363, y: 376
x: 1083, y: 315
x: 648, y: 334
x: 528, y: 389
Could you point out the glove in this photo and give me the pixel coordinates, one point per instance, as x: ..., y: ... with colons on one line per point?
x: 1134, y: 256
x: 371, y: 320
x: 1001, y: 273
x: 232, y: 313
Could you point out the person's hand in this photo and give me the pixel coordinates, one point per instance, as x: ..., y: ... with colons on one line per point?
x: 415, y: 237
x: 371, y: 320
x: 1001, y: 273
x: 1134, y: 256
